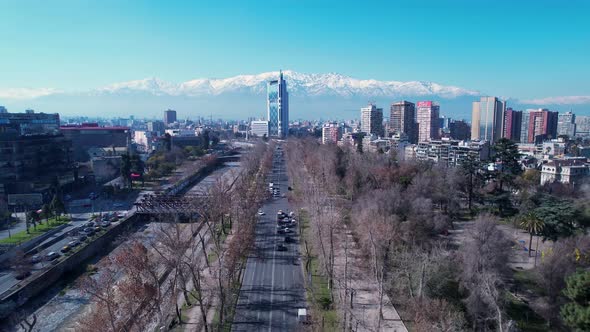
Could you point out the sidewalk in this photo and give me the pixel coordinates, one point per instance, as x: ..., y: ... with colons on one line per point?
x: 194, y: 320
x: 365, y: 312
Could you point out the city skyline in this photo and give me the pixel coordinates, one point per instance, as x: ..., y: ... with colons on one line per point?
x: 176, y: 44
x: 240, y: 96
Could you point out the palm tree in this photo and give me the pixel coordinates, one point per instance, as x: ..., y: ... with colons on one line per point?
x: 533, y: 225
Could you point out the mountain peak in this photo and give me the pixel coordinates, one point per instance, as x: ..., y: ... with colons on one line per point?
x: 300, y: 84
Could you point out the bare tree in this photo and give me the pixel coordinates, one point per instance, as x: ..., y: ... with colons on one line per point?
x: 437, y: 315
x: 102, y: 290
x: 485, y: 256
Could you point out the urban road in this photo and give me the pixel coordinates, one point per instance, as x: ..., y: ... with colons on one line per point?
x: 272, y: 286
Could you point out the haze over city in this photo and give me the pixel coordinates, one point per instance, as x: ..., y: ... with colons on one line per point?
x: 294, y: 166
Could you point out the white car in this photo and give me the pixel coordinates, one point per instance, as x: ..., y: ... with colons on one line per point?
x: 261, y: 213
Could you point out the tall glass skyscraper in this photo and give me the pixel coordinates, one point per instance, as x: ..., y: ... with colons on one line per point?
x: 487, y: 117
x: 278, y: 107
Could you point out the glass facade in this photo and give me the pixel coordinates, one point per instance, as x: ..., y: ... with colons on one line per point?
x: 273, y: 108
x: 278, y: 107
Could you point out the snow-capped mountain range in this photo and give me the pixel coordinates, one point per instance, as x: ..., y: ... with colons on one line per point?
x: 299, y: 84
x: 327, y: 95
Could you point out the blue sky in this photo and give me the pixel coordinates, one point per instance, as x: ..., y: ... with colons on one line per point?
x: 522, y: 49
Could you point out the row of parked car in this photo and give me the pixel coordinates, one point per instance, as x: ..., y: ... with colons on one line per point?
x: 84, y: 231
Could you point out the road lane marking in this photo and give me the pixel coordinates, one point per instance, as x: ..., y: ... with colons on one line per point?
x: 272, y: 288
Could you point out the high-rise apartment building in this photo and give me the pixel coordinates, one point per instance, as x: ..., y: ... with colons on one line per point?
x: 331, y: 133
x: 538, y: 125
x: 582, y: 126
x: 427, y: 116
x: 278, y: 107
x: 372, y: 120
x: 169, y: 117
x: 566, y: 124
x: 512, y: 124
x: 402, y: 120
x: 487, y: 117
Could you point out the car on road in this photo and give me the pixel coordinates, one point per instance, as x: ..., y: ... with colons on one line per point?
x: 283, y: 195
x: 281, y: 247
x: 73, y: 243
x: 284, y: 230
x: 52, y: 255
x: 93, y: 196
x: 66, y: 248
x: 35, y: 259
x: 261, y: 213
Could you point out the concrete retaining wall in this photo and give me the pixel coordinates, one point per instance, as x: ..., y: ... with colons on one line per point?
x: 73, y: 263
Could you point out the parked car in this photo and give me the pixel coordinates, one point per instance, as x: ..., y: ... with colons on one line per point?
x: 35, y: 259
x: 289, y: 239
x: 66, y: 248
x: 52, y: 256
x: 105, y: 224
x: 82, y: 238
x: 73, y: 243
x: 281, y: 231
x: 261, y: 213
x: 89, y: 224
x: 89, y: 231
x: 281, y: 247
x: 118, y: 205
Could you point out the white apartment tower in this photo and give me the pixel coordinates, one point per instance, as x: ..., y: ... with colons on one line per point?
x: 372, y: 120
x: 427, y: 116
